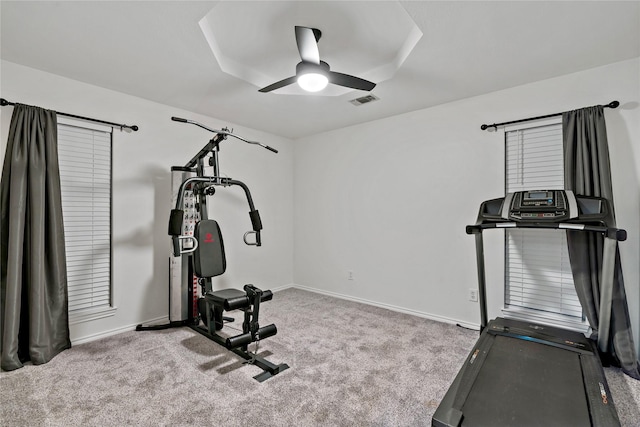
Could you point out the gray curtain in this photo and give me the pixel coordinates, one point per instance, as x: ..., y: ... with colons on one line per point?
x: 588, y: 173
x: 34, y: 321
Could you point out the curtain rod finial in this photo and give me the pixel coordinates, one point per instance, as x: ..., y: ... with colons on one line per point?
x: 128, y: 128
x: 613, y: 104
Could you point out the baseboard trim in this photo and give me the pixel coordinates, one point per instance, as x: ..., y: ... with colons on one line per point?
x: 391, y: 307
x: 283, y: 287
x: 165, y: 319
x: 115, y: 331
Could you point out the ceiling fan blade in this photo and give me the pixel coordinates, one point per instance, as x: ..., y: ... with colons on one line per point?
x: 350, y: 81
x: 308, y: 44
x: 278, y: 85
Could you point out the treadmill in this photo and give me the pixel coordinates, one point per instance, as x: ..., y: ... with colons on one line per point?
x: 525, y: 374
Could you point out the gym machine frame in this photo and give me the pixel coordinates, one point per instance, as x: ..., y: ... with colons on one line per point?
x: 184, y: 304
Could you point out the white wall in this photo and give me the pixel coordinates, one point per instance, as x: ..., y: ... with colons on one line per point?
x: 141, y: 192
x: 389, y: 200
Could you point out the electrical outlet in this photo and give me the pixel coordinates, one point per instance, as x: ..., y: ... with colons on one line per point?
x: 350, y: 275
x: 473, y: 295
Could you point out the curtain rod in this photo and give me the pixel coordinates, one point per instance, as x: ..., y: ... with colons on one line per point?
x: 4, y: 102
x: 612, y: 104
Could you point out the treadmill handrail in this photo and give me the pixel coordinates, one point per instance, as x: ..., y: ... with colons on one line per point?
x: 611, y: 235
x: 618, y: 234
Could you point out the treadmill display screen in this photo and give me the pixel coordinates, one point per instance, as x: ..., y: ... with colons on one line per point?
x: 538, y: 195
x: 537, y: 198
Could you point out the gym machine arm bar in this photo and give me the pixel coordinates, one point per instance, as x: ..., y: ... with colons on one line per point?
x: 175, y: 220
x: 223, y: 132
x: 177, y: 250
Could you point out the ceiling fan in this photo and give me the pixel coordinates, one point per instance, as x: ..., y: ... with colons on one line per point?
x: 312, y: 74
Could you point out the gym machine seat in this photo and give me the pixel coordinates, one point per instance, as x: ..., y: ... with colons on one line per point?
x: 209, y: 261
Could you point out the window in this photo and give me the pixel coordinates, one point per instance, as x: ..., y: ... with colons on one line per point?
x: 538, y: 278
x: 84, y: 152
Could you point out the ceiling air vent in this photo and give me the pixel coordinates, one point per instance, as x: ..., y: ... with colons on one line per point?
x: 364, y: 100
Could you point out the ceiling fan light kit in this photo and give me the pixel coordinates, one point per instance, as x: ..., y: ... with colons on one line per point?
x: 312, y: 74
x: 313, y: 82
x: 312, y: 77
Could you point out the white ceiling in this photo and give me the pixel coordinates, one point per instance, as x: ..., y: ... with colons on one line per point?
x: 157, y: 51
x: 243, y: 51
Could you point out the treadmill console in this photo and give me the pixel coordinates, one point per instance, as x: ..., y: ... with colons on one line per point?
x: 546, y: 206
x: 540, y: 205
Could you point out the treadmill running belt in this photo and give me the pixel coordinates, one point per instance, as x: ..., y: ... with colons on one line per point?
x: 523, y: 383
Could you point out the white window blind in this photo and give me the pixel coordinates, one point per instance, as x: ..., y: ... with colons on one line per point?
x: 538, y: 278
x: 534, y: 159
x: 85, y: 177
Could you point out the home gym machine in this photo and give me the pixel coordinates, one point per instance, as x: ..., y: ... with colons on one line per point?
x: 198, y: 256
x: 521, y: 373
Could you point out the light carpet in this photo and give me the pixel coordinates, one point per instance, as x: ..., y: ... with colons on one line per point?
x: 350, y: 365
